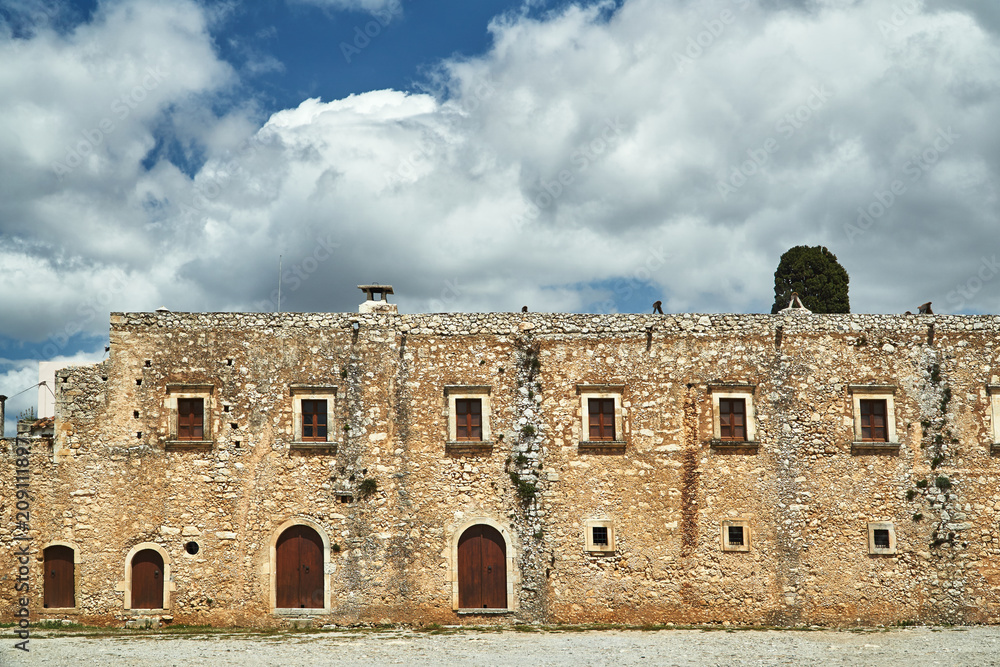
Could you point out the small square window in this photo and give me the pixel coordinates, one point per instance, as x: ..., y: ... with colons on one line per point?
x: 599, y: 536
x: 313, y: 414
x: 468, y: 415
x: 736, y: 535
x: 602, y: 427
x: 190, y: 409
x: 881, y: 538
x: 874, y: 417
x: 733, y: 422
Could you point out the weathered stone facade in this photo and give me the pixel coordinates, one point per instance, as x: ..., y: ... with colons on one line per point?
x: 115, y: 480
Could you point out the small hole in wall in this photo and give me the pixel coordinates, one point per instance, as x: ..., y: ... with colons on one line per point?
x: 149, y: 363
x: 104, y: 378
x: 138, y: 381
x: 192, y: 548
x: 225, y: 408
x: 138, y: 434
x: 135, y: 414
x: 346, y: 499
x: 229, y: 362
x: 233, y: 426
x: 236, y: 443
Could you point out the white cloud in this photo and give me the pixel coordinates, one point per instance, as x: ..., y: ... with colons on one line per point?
x: 376, y: 7
x: 584, y: 152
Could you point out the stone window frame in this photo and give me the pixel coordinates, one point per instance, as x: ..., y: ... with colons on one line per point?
x: 206, y: 392
x: 588, y: 536
x: 77, y: 561
x: 720, y: 390
x: 993, y: 393
x: 881, y: 525
x: 454, y: 392
x: 125, y: 586
x: 877, y: 392
x: 328, y: 393
x: 271, y: 570
x: 608, y: 391
x: 513, y: 574
x: 724, y: 534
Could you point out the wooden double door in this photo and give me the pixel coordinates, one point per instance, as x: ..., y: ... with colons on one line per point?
x: 299, y: 569
x: 482, y: 569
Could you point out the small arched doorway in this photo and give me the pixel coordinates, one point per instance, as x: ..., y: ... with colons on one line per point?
x: 482, y: 569
x: 147, y: 580
x: 60, y: 577
x: 299, y: 569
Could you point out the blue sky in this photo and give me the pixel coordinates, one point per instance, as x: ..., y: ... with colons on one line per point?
x: 569, y: 156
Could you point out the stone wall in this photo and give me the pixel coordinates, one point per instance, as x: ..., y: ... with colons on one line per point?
x: 113, y: 480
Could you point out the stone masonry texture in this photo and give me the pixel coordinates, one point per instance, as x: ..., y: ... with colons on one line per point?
x: 390, y: 495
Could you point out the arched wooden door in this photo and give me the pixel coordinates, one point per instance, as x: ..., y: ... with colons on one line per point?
x: 147, y: 580
x: 59, y: 578
x: 299, y: 569
x: 482, y: 569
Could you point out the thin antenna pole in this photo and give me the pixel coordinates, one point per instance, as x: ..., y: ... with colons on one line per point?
x: 279, y: 283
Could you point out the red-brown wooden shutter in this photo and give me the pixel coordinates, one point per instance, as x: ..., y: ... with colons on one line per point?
x: 59, y: 578
x: 314, y: 420
x: 468, y: 419
x: 732, y: 419
x: 190, y: 419
x: 602, y: 418
x: 873, y: 421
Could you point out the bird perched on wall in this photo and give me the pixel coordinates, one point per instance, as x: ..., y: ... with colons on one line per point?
x: 657, y: 307
x: 524, y: 309
x: 925, y: 309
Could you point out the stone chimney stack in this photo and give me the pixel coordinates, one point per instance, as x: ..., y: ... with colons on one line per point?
x: 376, y: 302
x: 3, y: 413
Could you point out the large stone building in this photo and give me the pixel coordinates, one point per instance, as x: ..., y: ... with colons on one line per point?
x: 258, y: 469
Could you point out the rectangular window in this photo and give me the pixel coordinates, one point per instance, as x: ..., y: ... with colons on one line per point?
x: 732, y: 419
x: 190, y: 419
x: 602, y: 418
x: 873, y: 420
x: 736, y: 535
x: 881, y: 538
x: 314, y: 420
x: 468, y: 419
x: 599, y: 536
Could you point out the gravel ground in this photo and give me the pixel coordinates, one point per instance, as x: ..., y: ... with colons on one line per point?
x: 922, y: 646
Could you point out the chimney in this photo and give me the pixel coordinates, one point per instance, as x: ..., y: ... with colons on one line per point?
x: 3, y: 401
x: 376, y: 301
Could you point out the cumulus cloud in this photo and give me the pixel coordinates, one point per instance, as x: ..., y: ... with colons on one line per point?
x: 658, y: 147
x: 377, y: 7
